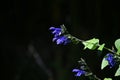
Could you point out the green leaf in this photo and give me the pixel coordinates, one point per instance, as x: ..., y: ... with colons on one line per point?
x: 107, y: 78
x: 118, y: 72
x: 104, y: 63
x: 117, y: 45
x: 101, y: 47
x: 91, y: 44
x: 118, y: 52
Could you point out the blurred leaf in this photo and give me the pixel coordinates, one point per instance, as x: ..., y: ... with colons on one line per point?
x: 64, y: 30
x: 117, y: 45
x: 101, y: 47
x: 91, y: 44
x: 104, y: 63
x: 107, y: 78
x: 118, y: 72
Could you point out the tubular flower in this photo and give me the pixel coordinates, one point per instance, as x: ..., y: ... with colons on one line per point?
x: 61, y: 40
x: 56, y: 31
x: 79, y: 72
x: 58, y: 37
x: 111, y: 60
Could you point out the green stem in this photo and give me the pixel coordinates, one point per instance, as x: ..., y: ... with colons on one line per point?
x: 97, y: 45
x: 91, y: 75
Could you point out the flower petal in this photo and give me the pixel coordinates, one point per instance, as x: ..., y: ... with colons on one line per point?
x: 75, y: 70
x: 78, y: 74
x: 52, y: 28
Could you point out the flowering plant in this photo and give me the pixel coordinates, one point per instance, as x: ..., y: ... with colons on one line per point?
x: 111, y: 59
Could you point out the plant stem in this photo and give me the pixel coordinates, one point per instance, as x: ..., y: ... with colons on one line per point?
x: 91, y: 75
x: 97, y: 45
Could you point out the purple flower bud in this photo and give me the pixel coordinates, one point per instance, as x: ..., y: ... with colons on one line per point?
x: 60, y: 39
x: 55, y: 31
x: 111, y: 60
x: 79, y: 72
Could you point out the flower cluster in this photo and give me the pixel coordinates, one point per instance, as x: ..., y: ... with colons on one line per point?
x: 58, y: 36
x: 111, y: 60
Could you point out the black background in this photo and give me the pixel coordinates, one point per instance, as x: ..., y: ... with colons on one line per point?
x: 25, y: 24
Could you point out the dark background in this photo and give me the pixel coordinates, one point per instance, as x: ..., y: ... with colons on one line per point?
x: 27, y: 50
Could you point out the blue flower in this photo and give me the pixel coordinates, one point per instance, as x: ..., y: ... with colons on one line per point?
x: 56, y: 31
x: 58, y: 37
x: 111, y: 60
x: 61, y: 40
x: 79, y: 72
